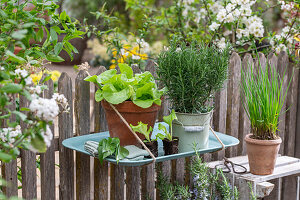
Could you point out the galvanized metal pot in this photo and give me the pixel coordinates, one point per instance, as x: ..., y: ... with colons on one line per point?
x: 192, y: 128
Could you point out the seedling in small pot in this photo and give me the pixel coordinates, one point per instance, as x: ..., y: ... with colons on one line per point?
x: 109, y: 147
x: 170, y: 142
x: 150, y: 143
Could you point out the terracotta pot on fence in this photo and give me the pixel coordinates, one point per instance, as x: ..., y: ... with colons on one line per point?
x: 262, y: 155
x: 132, y: 114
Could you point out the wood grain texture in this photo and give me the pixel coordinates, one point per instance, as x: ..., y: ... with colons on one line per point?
x: 283, y: 61
x: 244, y: 122
x: 117, y: 182
x: 133, y: 183
x: 148, y: 181
x: 28, y: 166
x: 297, y: 139
x: 100, y: 171
x: 289, y: 184
x: 9, y: 170
x: 219, y: 117
x: 178, y: 170
x: 65, y: 127
x: 233, y: 101
x: 82, y: 117
x: 47, y: 159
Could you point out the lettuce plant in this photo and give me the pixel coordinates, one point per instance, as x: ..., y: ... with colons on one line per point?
x: 115, y: 88
x: 111, y: 146
x: 167, y: 119
x: 143, y: 129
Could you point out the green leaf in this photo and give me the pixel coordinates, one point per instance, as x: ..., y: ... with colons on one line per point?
x: 125, y: 69
x: 53, y: 35
x: 92, y: 79
x: 143, y: 103
x: 11, y: 88
x: 143, y: 129
x: 99, y: 95
x: 5, y: 157
x: 22, y: 116
x: 54, y: 58
x: 26, y: 94
x: 168, y: 119
x: 47, y: 78
x: 63, y: 16
x: 20, y: 34
x: 121, y: 153
x: 58, y: 47
x: 104, y: 77
x: 113, y: 96
x: 38, y: 144
x: 14, y: 57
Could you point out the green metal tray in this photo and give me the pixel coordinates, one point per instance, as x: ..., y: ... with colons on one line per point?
x: 77, y: 144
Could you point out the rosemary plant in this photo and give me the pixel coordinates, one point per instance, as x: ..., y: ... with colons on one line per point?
x: 192, y: 74
x: 264, y: 95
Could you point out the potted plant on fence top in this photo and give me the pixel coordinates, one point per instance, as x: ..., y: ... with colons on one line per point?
x: 136, y: 97
x: 192, y: 74
x: 263, y: 100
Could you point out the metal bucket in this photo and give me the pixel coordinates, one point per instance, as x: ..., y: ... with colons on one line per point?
x: 192, y: 128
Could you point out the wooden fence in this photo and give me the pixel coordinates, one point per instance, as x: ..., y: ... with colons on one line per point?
x: 82, y: 177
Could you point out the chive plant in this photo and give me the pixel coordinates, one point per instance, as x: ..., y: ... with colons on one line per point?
x: 264, y: 95
x: 192, y: 74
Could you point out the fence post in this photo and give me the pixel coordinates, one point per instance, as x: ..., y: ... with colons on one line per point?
x: 48, y: 158
x: 82, y: 117
x: 244, y: 122
x: 28, y: 166
x: 9, y: 170
x: 100, y: 171
x: 233, y: 100
x: 66, y: 156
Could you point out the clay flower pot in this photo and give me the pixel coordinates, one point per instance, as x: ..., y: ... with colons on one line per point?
x: 171, y: 147
x: 262, y: 155
x: 153, y: 147
x: 132, y: 114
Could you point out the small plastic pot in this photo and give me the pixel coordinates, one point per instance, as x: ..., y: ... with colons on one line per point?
x: 153, y: 147
x: 171, y: 147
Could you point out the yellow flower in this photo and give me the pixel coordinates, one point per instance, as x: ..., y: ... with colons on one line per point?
x: 37, y: 77
x: 113, y: 66
x: 297, y: 37
x: 55, y: 75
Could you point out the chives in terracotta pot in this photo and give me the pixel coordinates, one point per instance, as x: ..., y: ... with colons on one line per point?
x: 136, y: 97
x: 263, y: 100
x: 192, y: 74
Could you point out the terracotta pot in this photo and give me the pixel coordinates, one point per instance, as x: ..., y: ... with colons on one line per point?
x: 262, y: 155
x: 153, y: 147
x: 132, y: 114
x: 171, y: 147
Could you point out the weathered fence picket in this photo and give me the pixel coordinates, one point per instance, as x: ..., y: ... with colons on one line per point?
x: 47, y: 159
x: 82, y: 127
x: 66, y: 156
x: 137, y: 183
x: 9, y: 170
x: 28, y: 166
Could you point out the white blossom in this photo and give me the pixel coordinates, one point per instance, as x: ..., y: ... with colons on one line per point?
x: 256, y: 29
x: 1, y: 68
x: 135, y: 57
x: 10, y: 134
x: 216, y: 7
x: 124, y: 52
x: 229, y: 7
x: 229, y: 18
x: 47, y: 135
x: 236, y: 13
x: 214, y: 26
x: 21, y: 72
x: 227, y: 32
x: 286, y: 29
x: 46, y: 109
x: 245, y: 10
x: 221, y: 43
x: 221, y: 15
x: 28, y: 80
x: 61, y: 99
x: 281, y: 47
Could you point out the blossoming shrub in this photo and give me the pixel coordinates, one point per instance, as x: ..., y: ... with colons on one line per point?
x: 24, y: 29
x: 245, y: 24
